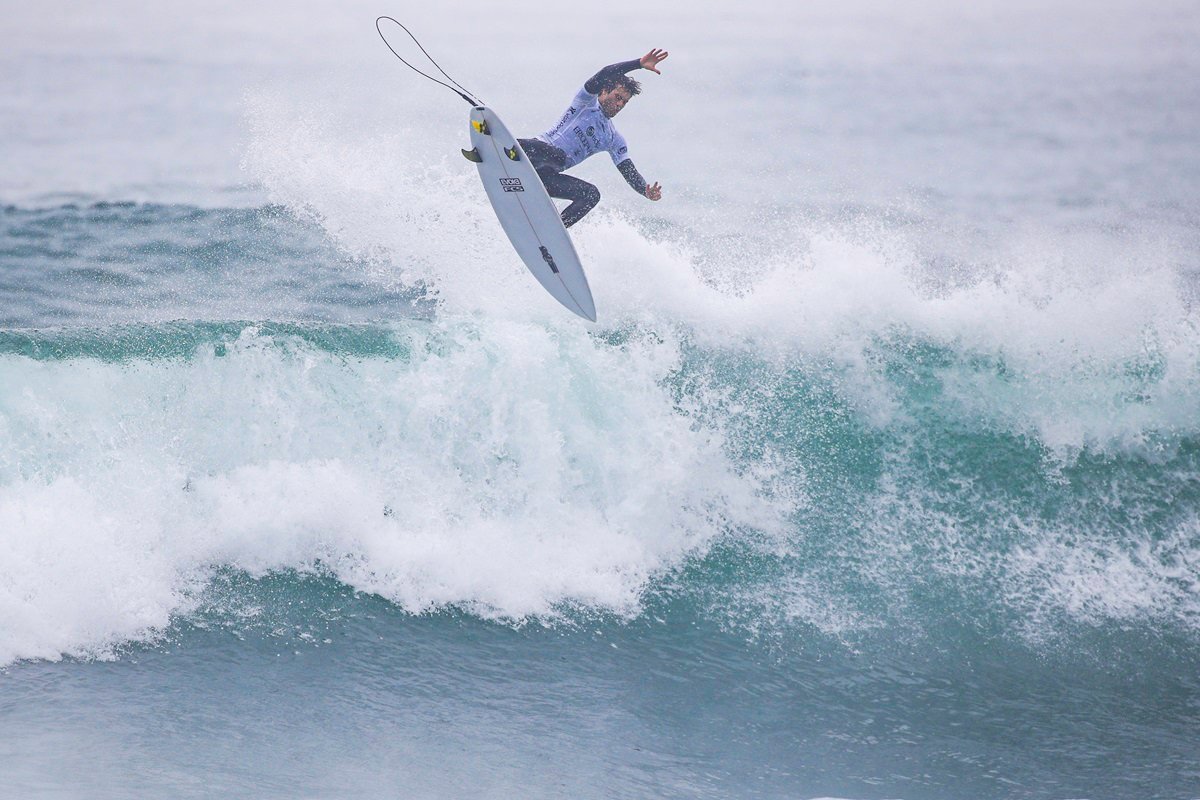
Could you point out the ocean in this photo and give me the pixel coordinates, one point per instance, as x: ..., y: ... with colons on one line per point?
x: 877, y: 477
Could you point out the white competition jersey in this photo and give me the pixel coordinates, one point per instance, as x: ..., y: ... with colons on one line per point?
x: 584, y: 131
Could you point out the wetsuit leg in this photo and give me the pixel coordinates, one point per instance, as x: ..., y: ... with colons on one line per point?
x: 583, y: 195
x: 549, y: 162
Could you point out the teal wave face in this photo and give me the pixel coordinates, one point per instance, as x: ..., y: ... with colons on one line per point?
x: 923, y: 513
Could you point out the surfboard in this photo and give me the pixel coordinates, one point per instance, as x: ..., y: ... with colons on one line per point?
x: 526, y: 212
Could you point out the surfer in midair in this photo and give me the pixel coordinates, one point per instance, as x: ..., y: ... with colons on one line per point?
x: 586, y: 129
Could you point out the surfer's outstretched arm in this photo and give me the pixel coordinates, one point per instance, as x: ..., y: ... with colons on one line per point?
x: 602, y: 78
x: 649, y: 61
x: 634, y: 178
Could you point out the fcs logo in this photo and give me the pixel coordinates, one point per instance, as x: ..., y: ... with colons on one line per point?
x: 512, y: 184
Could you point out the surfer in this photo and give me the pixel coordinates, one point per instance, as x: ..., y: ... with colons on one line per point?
x: 587, y: 128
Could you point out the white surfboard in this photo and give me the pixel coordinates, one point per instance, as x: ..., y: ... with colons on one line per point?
x: 527, y: 213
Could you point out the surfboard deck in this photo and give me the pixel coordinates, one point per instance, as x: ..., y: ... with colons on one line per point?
x: 526, y: 212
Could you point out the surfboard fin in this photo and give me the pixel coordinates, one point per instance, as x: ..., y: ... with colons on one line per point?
x: 480, y: 126
x: 472, y: 155
x: 513, y: 153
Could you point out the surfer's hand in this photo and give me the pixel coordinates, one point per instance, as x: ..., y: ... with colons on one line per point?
x: 652, y: 59
x: 654, y: 192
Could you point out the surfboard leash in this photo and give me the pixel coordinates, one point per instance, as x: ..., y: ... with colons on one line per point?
x: 460, y: 91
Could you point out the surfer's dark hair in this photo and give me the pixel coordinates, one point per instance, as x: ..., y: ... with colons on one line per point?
x: 633, y: 87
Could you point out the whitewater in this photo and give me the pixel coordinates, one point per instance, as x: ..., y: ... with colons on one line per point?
x: 877, y: 477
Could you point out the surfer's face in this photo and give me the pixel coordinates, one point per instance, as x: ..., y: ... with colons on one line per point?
x: 613, y: 100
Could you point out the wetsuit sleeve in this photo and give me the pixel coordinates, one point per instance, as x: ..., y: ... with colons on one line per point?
x: 632, y: 176
x: 611, y: 71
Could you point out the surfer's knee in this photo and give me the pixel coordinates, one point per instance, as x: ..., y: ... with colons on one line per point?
x: 591, y: 196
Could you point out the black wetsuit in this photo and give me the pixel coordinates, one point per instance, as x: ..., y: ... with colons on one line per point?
x: 550, y: 161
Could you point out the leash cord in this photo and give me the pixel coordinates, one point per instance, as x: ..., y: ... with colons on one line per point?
x: 460, y: 91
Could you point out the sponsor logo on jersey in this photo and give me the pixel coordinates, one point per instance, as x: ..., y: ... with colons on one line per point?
x: 512, y: 184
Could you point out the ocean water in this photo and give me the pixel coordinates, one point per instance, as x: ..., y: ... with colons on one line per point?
x: 878, y: 476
